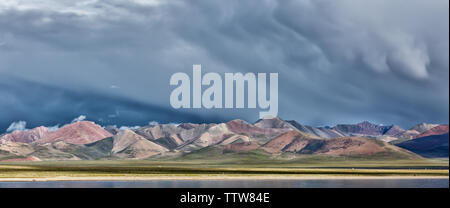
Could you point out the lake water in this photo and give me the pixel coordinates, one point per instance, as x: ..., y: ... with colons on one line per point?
x: 302, y: 183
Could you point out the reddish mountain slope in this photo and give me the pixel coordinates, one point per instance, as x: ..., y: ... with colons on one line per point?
x: 242, y: 127
x: 438, y: 130
x: 241, y: 147
x: 26, y: 136
x: 82, y: 132
x: 292, y: 140
x: 87, y: 140
x: 297, y: 142
x: 128, y: 144
x: 393, y: 130
x: 414, y: 131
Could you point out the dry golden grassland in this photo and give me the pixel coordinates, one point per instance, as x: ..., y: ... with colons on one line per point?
x: 142, y: 169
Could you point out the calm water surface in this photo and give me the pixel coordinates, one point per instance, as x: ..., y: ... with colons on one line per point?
x: 302, y: 183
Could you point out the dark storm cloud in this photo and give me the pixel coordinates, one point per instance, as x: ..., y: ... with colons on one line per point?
x: 41, y: 104
x: 338, y: 61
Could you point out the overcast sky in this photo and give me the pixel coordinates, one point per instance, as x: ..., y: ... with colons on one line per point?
x: 385, y: 61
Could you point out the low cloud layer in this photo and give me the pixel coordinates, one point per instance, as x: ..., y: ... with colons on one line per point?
x: 338, y: 61
x: 79, y: 118
x: 17, y: 126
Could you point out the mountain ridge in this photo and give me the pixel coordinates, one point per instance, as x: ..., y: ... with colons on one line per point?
x: 85, y: 140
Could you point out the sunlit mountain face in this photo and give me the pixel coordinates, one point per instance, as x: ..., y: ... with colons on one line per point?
x: 269, y: 138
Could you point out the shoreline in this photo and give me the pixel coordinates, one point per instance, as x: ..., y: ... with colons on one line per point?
x: 224, y: 178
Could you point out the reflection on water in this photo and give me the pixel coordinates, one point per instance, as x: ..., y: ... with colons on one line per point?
x: 301, y: 183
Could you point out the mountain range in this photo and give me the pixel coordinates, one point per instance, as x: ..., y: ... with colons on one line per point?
x: 85, y: 140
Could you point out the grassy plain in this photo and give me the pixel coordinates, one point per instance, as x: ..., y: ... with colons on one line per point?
x: 314, y: 166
